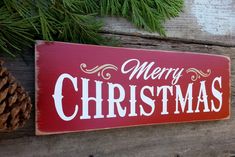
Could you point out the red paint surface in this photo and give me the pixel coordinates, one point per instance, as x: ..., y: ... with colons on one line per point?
x: 55, y: 58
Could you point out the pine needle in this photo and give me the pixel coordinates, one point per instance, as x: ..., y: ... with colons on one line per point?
x: 15, y: 32
x: 146, y: 14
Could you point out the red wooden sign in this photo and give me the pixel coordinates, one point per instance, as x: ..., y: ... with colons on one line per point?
x: 85, y: 87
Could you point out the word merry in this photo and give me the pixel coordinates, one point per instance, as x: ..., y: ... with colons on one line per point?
x: 135, y: 68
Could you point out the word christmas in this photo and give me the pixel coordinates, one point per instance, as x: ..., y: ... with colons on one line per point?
x: 89, y: 87
x: 118, y: 102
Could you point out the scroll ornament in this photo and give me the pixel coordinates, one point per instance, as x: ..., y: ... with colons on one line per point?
x: 100, y: 70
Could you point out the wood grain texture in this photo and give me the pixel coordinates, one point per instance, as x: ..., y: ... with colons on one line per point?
x: 212, y: 139
x: 210, y: 21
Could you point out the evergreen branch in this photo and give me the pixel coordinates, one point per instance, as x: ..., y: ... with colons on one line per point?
x: 147, y: 14
x: 46, y: 20
x: 22, y: 21
x: 77, y: 26
x: 169, y: 8
x: 15, y: 32
x: 24, y: 9
x: 110, y: 7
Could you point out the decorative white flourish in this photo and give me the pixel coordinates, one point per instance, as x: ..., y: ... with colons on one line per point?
x: 197, y: 74
x: 100, y: 70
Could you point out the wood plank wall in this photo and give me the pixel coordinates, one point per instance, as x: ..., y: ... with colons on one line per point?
x: 185, y: 33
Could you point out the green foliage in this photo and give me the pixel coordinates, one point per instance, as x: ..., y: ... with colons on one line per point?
x: 23, y: 21
x: 147, y: 14
x: 15, y: 32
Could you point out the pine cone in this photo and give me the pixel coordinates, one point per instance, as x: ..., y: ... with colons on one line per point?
x: 15, y: 103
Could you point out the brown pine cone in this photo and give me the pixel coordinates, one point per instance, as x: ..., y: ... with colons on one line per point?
x: 15, y: 103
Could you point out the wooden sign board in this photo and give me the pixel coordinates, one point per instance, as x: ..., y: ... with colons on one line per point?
x: 85, y: 87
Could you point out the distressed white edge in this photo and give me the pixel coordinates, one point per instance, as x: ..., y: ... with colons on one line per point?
x: 36, y: 57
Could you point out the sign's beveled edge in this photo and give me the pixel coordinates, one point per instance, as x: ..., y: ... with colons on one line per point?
x: 38, y: 132
x: 36, y: 69
x: 41, y: 42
